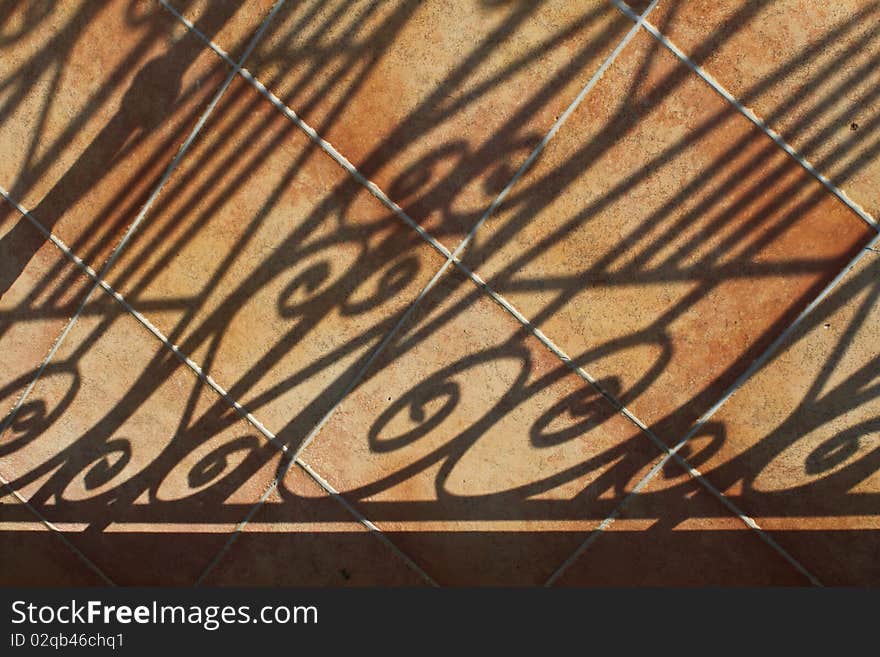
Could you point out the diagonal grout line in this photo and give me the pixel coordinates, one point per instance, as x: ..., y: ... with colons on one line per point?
x: 99, y: 277
x: 374, y: 189
x: 273, y: 485
x: 140, y: 216
x: 741, y: 380
x: 99, y: 281
x: 556, y: 127
x: 453, y: 257
x: 762, y: 359
x: 379, y: 194
x: 367, y: 523
x: 326, y: 146
x: 295, y: 459
x: 332, y: 492
x: 206, y: 378
x: 246, y: 415
x: 201, y: 35
x: 751, y: 116
x: 629, y: 415
x: 4, y: 483
x: 673, y: 453
x: 314, y: 433
x: 142, y: 319
x: 757, y: 364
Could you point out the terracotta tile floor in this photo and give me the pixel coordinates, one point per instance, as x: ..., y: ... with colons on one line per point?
x: 451, y: 292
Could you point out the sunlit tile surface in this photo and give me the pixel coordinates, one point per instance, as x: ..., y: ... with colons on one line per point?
x: 281, y: 378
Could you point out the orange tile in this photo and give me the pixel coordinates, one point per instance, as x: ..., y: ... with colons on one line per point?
x: 137, y: 459
x: 662, y: 240
x: 810, y: 69
x: 797, y: 445
x: 32, y: 555
x: 97, y: 97
x: 230, y: 24
x: 475, y: 449
x: 271, y: 267
x: 440, y: 102
x: 675, y: 533
x: 303, y: 537
x: 36, y: 299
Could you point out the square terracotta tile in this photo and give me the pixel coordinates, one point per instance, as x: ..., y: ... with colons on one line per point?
x: 810, y: 69
x: 676, y: 533
x: 797, y: 446
x: 37, y: 297
x: 32, y: 555
x: 437, y: 102
x: 303, y: 537
x: 271, y: 267
x: 229, y: 24
x: 143, y: 467
x: 663, y: 241
x: 475, y: 449
x: 96, y: 99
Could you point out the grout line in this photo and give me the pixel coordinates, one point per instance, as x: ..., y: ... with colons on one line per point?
x: 243, y: 412
x: 741, y: 380
x: 605, y: 524
x: 751, y: 116
x: 373, y: 357
x: 377, y: 192
x: 345, y: 163
x: 454, y: 257
x: 672, y: 454
x: 760, y: 361
x: 326, y: 146
x: 238, y: 529
x: 623, y: 410
x: 4, y: 483
x: 99, y: 277
x: 145, y: 322
x: 201, y: 35
x: 451, y: 257
x: 114, y: 255
x: 763, y: 358
x: 317, y: 428
x: 332, y: 492
x: 367, y: 523
x: 555, y: 128
x: 640, y: 20
x: 394, y: 207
